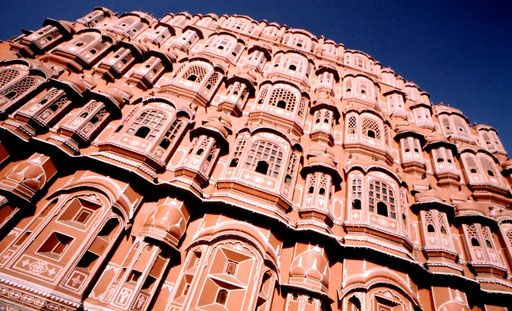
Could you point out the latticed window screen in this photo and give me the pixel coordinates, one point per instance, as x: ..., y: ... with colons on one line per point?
x: 195, y: 71
x: 212, y: 80
x: 371, y: 126
x: 488, y: 167
x: 55, y: 106
x: 509, y: 237
x: 49, y: 96
x: 151, y: 119
x: 19, y: 88
x: 263, y: 94
x: 237, y: 154
x: 84, y: 40
x: 302, y: 107
x: 446, y: 124
x: 461, y: 127
x: 7, y: 75
x: 441, y: 219
x: 429, y: 219
x: 268, y: 152
x: 179, y: 70
x: 290, y: 170
x: 323, y: 184
x: 352, y: 125
x: 172, y: 133
x: 279, y: 95
x: 381, y: 192
x: 487, y: 235
x: 487, y: 139
x: 472, y: 164
x: 357, y: 185
x: 311, y: 183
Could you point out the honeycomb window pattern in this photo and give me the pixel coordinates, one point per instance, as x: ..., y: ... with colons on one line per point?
x: 283, y: 99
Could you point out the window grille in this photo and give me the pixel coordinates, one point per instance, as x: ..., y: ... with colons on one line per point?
x: 286, y: 96
x: 267, y: 152
x: 152, y: 120
x: 371, y: 126
x: 380, y: 192
x: 7, y: 75
x: 197, y: 71
x: 19, y: 88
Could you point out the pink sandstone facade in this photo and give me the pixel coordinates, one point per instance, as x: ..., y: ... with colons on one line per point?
x: 219, y: 163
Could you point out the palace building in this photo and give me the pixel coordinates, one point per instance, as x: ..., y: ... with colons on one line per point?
x: 204, y: 162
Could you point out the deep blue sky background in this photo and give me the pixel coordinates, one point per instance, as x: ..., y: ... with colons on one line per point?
x: 459, y: 51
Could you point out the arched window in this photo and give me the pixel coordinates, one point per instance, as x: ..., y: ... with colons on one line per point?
x: 8, y: 75
x: 19, y: 88
x: 265, y: 157
x: 148, y: 125
x: 381, y: 195
x: 354, y: 304
x: 283, y: 99
x: 195, y: 74
x: 371, y: 128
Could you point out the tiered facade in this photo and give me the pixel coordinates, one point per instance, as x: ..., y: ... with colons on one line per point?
x: 219, y: 163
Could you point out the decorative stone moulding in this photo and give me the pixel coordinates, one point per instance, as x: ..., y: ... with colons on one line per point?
x: 205, y: 162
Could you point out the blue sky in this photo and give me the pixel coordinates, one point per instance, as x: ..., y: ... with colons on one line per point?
x: 459, y: 51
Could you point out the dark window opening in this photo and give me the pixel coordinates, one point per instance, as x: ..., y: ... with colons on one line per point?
x: 94, y: 119
x: 488, y: 244
x: 142, y: 132
x: 165, y: 143
x: 192, y: 78
x: 356, y: 204
x: 222, y: 296
x: 262, y: 167
x: 54, y: 107
x: 322, y: 191
x: 209, y: 86
x: 475, y: 242
x: 87, y: 261
x: 134, y: 276
x: 440, y: 160
x: 430, y: 228
x: 221, y: 47
x: 119, y: 128
x: 234, y: 162
x: 382, y: 209
x: 11, y: 95
x: 473, y: 170
x: 79, y: 44
x: 93, y: 51
x: 281, y: 104
x: 108, y: 228
x: 209, y: 158
x: 370, y: 133
x: 292, y: 67
x: 55, y: 244
x: 490, y: 173
x: 288, y: 179
x: 84, y: 115
x: 443, y: 230
x: 311, y: 189
x: 199, y: 152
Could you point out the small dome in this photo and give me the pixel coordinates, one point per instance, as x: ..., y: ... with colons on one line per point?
x: 166, y: 223
x: 313, y: 267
